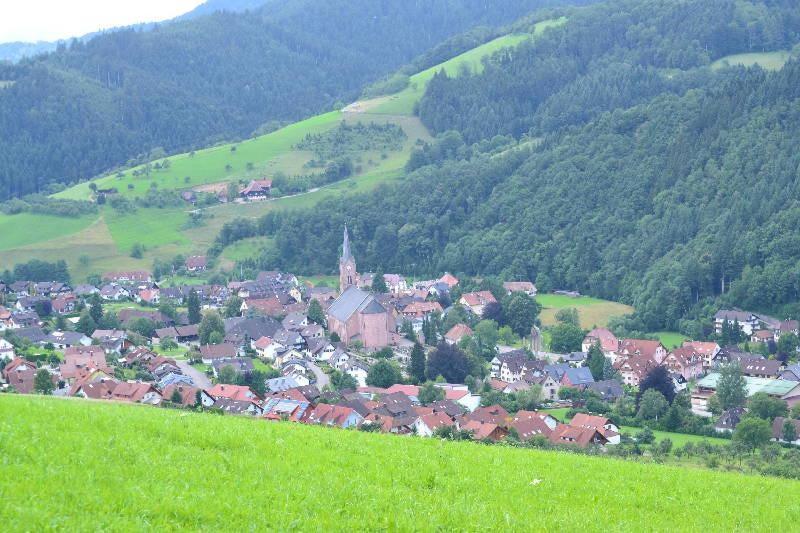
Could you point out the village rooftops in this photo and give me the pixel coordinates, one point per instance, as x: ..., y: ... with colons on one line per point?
x: 773, y: 387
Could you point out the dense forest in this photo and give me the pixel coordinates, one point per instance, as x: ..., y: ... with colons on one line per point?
x: 93, y: 105
x: 665, y: 184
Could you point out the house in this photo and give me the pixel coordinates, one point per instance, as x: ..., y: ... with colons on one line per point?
x: 61, y: 340
x: 281, y: 384
x: 240, y: 365
x: 136, y: 392
x: 747, y: 321
x: 333, y: 415
x: 609, y: 390
x: 21, y: 375
x: 603, y: 425
x: 757, y: 366
x: 762, y: 335
x: 97, y: 386
x: 6, y: 350
x: 477, y: 301
x: 257, y: 190
x: 112, y: 340
x: 790, y: 373
x: 577, y: 436
x: 266, y: 348
x: 449, y: 279
x: 238, y: 407
x: 271, y: 307
x: 148, y: 296
x: 187, y: 393
x: 609, y: 343
x: 513, y: 366
x: 24, y: 320
x: 651, y: 349
x: 461, y: 395
x: 134, y: 276
x: 575, y: 359
x: 217, y: 352
x: 114, y: 292
x: 421, y: 309
x: 729, y: 419
x: 232, y: 392
x: 295, y: 322
x: 634, y: 368
x: 493, y: 414
x: 778, y: 431
x: 196, y: 263
x: 530, y: 424
x: 357, y: 370
x: 64, y: 305
x: 686, y: 362
x: 519, y: 286
x: 485, y: 431
x: 708, y: 350
x: 457, y: 332
x: 285, y: 409
x: 80, y: 361
x: 425, y: 425
x: 577, y: 377
x: 550, y: 386
x: 788, y: 391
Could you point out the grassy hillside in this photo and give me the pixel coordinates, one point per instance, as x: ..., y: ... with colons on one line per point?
x: 591, y: 311
x: 766, y: 60
x: 96, y: 466
x: 163, y: 231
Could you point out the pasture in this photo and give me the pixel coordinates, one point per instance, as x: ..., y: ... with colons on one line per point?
x: 766, y: 60
x: 671, y: 339
x: 144, y: 468
x: 592, y: 312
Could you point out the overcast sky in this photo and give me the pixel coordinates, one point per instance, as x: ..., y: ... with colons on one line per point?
x: 49, y: 20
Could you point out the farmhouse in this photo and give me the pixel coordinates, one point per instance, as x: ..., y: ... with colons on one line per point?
x: 477, y: 301
x: 257, y: 190
x: 520, y: 286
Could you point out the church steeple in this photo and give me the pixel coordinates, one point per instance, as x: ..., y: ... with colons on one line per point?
x: 348, y: 276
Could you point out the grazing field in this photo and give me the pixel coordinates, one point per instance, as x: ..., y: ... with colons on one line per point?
x: 766, y: 60
x: 79, y: 465
x: 29, y: 228
x: 671, y: 339
x: 592, y: 312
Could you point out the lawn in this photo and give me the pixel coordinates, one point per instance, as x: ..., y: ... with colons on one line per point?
x: 678, y: 439
x: 592, y: 312
x: 143, y: 468
x: 671, y: 339
x: 766, y: 60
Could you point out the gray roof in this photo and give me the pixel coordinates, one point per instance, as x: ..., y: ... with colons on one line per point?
x: 281, y: 384
x: 579, y: 376
x: 354, y: 300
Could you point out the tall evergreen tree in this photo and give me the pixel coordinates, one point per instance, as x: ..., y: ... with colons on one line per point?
x: 416, y: 367
x: 193, y: 304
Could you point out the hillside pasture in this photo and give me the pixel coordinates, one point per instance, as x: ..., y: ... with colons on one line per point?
x: 208, y: 468
x: 766, y: 60
x: 592, y: 312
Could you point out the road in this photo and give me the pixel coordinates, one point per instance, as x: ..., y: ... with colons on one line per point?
x: 200, y: 379
x: 322, y: 377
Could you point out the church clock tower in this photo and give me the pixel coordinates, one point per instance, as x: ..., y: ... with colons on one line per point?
x: 348, y: 276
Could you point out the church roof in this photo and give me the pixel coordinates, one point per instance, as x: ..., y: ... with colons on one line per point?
x: 354, y: 300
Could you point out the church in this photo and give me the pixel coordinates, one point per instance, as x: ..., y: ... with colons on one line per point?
x: 356, y: 315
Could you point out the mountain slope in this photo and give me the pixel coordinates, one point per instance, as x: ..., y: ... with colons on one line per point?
x: 96, y: 105
x: 147, y: 468
x: 666, y: 189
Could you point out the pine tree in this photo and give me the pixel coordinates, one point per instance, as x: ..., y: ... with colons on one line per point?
x: 96, y: 308
x: 417, y: 365
x: 596, y: 361
x: 193, y: 303
x: 315, y: 313
x: 378, y: 283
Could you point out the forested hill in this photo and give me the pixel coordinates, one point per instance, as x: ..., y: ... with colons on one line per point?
x: 663, y: 184
x: 95, y: 105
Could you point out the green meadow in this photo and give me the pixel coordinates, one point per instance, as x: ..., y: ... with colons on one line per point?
x: 766, y: 60
x: 671, y: 339
x: 78, y: 465
x: 592, y: 312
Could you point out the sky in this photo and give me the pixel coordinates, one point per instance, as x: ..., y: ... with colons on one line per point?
x: 50, y: 20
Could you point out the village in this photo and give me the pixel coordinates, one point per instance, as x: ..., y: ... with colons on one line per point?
x: 381, y: 353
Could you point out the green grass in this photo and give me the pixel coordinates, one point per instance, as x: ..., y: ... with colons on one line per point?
x: 592, y: 312
x: 151, y: 227
x: 766, y: 60
x: 671, y: 339
x: 678, y: 439
x: 208, y: 165
x: 143, y: 468
x: 31, y: 228
x: 559, y: 413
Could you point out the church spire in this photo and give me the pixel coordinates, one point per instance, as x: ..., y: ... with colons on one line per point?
x: 346, y: 246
